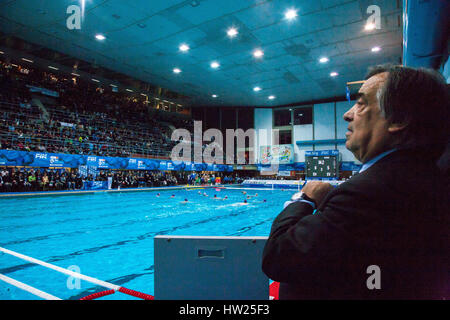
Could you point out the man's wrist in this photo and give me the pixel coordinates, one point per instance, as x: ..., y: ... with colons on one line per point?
x: 302, y: 197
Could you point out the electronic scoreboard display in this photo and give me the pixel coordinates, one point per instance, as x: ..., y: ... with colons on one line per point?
x: 322, y: 164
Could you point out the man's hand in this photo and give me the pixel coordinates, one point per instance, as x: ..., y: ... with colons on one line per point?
x: 317, y: 190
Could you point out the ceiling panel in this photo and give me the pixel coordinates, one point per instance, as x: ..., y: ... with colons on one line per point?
x: 143, y: 38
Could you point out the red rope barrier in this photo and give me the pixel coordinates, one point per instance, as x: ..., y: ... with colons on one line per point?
x: 98, y: 295
x: 136, y: 294
x: 274, y: 290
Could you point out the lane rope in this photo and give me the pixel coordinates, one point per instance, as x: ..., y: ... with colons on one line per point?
x: 28, y: 288
x: 112, y: 287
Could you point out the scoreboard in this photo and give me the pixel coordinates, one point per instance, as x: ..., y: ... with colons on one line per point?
x: 322, y: 164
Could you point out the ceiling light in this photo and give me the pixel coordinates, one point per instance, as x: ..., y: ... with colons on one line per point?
x: 113, y: 85
x: 369, y: 26
x: 75, y: 74
x: 143, y: 94
x: 256, y: 89
x: 27, y: 60
x: 176, y: 70
x: 215, y: 65
x: 333, y: 74
x: 100, y: 37
x: 232, y: 32
x: 95, y: 80
x: 258, y: 53
x: 214, y: 96
x: 323, y: 60
x: 376, y: 49
x: 184, y: 47
x: 290, y: 14
x: 129, y: 90
x: 271, y: 97
x: 1, y: 52
x: 52, y: 67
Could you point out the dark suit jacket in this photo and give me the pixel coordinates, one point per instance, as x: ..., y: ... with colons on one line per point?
x: 394, y: 215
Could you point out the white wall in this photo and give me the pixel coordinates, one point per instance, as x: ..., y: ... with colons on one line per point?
x: 263, y: 121
x: 301, y: 132
x: 328, y: 124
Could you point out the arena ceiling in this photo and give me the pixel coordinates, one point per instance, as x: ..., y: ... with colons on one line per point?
x: 143, y: 39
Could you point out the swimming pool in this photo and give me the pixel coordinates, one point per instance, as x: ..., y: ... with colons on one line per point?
x: 109, y: 236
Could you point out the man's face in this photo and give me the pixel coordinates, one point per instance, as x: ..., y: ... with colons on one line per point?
x: 367, y: 134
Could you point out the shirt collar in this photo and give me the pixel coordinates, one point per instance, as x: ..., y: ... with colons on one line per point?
x: 369, y: 163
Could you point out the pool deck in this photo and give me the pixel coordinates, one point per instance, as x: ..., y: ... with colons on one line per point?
x: 77, y: 192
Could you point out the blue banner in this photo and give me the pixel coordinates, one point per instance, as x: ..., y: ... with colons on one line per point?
x: 47, y: 92
x: 54, y: 160
x: 322, y: 153
x: 95, y: 185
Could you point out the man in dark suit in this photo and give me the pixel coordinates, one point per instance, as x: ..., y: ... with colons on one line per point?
x: 384, y: 233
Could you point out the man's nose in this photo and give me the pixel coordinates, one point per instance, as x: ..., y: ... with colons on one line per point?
x: 348, y: 116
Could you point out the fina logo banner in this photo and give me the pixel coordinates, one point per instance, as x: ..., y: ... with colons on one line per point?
x: 48, y: 160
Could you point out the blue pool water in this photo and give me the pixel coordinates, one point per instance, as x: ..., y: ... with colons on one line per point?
x: 109, y: 236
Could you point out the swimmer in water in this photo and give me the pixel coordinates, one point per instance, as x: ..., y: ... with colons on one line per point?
x: 173, y: 196
x: 240, y: 203
x: 158, y: 194
x: 244, y: 192
x: 205, y: 194
x: 184, y: 202
x: 200, y: 192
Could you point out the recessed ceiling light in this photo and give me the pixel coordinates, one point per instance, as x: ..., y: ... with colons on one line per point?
x: 256, y: 89
x: 95, y: 80
x: 75, y: 74
x: 214, y: 96
x: 215, y: 65
x: 176, y: 70
x: 333, y: 74
x: 271, y: 97
x: 369, y: 26
x: 52, y: 67
x: 258, y: 53
x: 376, y: 49
x: 27, y: 60
x: 100, y: 37
x: 323, y: 60
x: 290, y: 14
x: 1, y: 52
x: 113, y: 85
x: 129, y: 90
x: 232, y: 32
x: 184, y: 47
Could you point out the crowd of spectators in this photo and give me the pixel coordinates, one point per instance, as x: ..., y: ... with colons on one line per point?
x: 82, y: 119
x: 37, y: 179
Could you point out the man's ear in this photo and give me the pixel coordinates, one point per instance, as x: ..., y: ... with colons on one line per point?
x: 396, y: 127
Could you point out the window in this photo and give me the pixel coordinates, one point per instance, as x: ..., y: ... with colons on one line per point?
x: 285, y: 136
x: 282, y: 118
x: 303, y: 116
